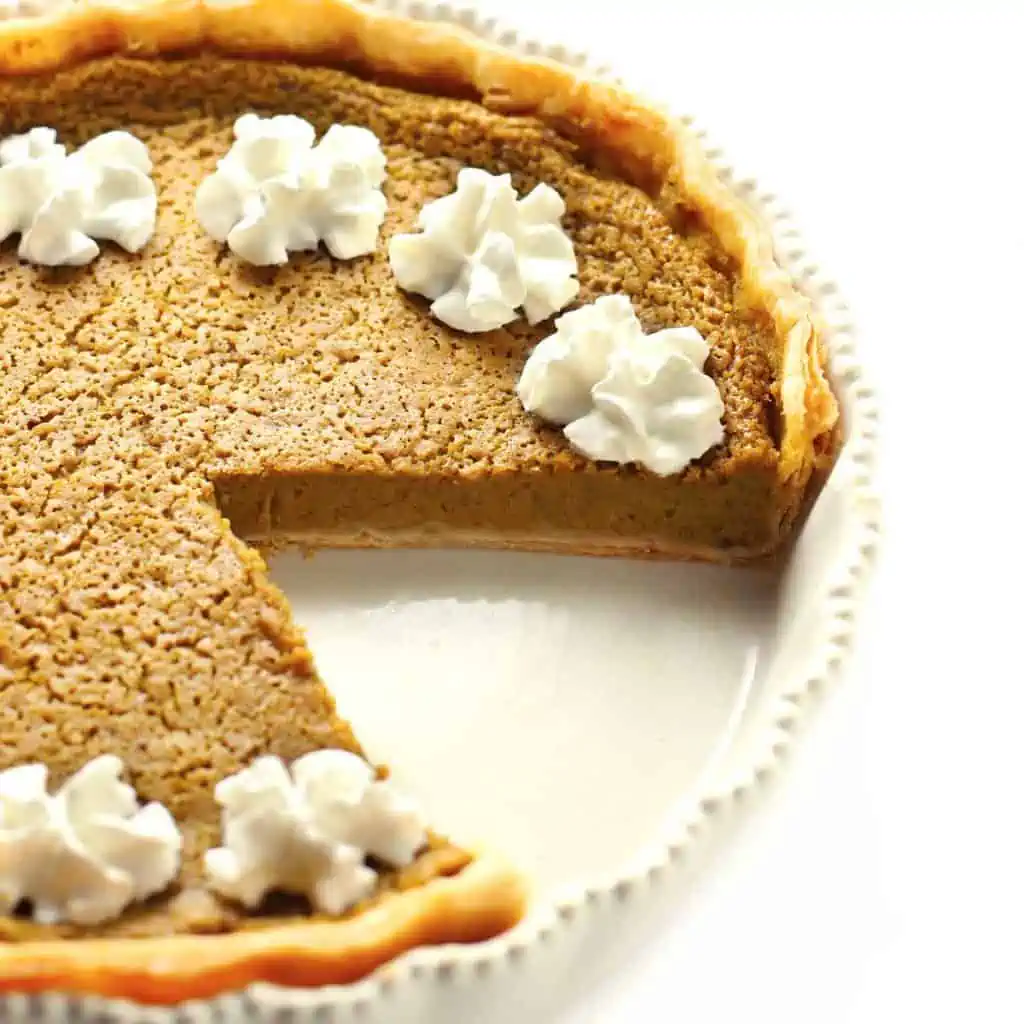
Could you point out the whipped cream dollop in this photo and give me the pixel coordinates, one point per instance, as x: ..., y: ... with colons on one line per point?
x: 277, y: 192
x: 482, y: 253
x: 61, y: 205
x: 86, y: 852
x: 622, y: 395
x: 310, y: 830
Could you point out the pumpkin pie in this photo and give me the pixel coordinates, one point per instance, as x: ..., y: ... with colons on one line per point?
x: 163, y: 415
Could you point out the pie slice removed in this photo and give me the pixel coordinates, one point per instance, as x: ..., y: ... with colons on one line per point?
x: 164, y: 408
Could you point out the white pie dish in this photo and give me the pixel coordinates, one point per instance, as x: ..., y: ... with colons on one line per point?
x: 674, y: 688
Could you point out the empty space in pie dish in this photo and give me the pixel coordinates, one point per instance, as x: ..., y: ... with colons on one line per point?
x: 558, y: 709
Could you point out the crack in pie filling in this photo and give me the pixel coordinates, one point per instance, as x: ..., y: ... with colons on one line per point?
x: 163, y: 410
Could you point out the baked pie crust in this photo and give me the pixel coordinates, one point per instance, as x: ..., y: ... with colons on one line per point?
x: 485, y: 899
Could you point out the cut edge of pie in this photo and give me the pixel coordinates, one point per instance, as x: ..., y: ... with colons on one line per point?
x: 648, y: 148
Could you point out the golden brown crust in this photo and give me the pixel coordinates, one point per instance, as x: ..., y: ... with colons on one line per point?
x: 483, y: 900
x: 595, y: 547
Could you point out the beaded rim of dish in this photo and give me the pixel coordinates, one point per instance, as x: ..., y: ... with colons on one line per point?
x: 700, y: 817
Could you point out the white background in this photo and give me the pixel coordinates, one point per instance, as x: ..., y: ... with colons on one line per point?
x: 885, y: 883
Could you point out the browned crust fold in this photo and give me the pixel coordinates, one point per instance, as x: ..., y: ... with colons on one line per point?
x: 483, y: 900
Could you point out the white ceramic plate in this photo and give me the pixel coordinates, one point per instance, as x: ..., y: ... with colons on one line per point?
x: 591, y: 719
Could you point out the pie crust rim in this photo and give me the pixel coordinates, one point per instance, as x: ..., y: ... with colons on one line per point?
x: 486, y: 898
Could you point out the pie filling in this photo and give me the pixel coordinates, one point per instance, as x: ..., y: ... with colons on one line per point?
x: 522, y: 511
x: 148, y: 399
